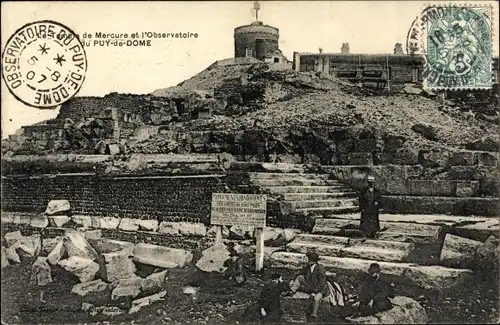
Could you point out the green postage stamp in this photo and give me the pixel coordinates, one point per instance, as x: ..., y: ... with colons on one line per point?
x: 458, y: 47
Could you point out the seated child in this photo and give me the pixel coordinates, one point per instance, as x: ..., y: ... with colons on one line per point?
x: 270, y: 299
x: 235, y: 270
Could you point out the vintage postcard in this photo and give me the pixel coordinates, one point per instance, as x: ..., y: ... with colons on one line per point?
x: 243, y: 162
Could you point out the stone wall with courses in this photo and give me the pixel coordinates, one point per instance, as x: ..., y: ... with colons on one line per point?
x: 167, y: 198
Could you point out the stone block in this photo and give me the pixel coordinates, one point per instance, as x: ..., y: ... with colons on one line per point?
x: 58, y: 221
x: 109, y: 222
x: 413, y: 171
x: 76, y: 245
x: 443, y: 188
x: 128, y: 224
x: 84, y: 289
x: 147, y: 225
x: 126, y: 288
x: 57, y: 253
x: 420, y: 187
x: 458, y: 251
x: 405, y: 310
x: 154, y: 283
x: 116, y: 266
x: 95, y: 222
x: 405, y: 156
x: 7, y: 218
x: 5, y: 259
x: 168, y: 228
x: 462, y: 158
x: 467, y: 188
x: 92, y: 234
x: 12, y: 237
x: 487, y: 158
x: 22, y: 219
x: 160, y: 256
x: 84, y: 221
x: 56, y: 207
x: 434, y: 158
x: 397, y: 187
x: 192, y: 229
x: 83, y: 268
x: 146, y: 301
x: 39, y: 221
x: 213, y: 258
x: 103, y: 245
x: 360, y: 158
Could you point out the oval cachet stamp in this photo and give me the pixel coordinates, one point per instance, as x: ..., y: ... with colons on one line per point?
x: 44, y: 64
x: 458, y: 47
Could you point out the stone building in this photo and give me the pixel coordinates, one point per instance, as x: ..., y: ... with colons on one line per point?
x: 260, y: 41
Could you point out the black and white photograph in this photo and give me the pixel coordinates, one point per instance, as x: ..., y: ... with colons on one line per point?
x: 250, y: 162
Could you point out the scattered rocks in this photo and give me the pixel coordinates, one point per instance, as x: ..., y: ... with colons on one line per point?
x: 213, y: 258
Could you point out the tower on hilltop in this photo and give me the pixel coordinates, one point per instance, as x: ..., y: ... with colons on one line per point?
x: 255, y: 40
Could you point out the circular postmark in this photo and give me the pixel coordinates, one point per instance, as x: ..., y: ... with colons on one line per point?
x: 44, y: 64
x: 458, y: 47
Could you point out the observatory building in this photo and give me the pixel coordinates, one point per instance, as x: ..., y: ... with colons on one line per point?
x: 258, y: 40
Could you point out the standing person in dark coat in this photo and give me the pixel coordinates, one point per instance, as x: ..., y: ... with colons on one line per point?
x: 312, y: 280
x: 375, y: 291
x: 270, y: 299
x: 369, y: 201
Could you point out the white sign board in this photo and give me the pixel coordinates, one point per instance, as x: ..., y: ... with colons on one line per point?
x: 230, y: 209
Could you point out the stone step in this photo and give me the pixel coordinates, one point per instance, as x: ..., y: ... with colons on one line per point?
x: 317, y: 196
x: 350, y: 242
x: 342, y: 202
x: 386, y: 236
x: 307, y: 189
x: 297, y: 181
x: 394, y: 227
x: 437, y: 277
x: 327, y: 210
x: 287, y: 176
x: 363, y: 252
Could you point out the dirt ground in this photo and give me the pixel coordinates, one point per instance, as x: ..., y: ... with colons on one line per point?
x: 217, y: 302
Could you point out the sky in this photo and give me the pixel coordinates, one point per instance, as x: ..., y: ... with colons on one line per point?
x: 304, y: 26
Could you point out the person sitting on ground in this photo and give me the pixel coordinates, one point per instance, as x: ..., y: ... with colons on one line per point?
x: 234, y: 266
x: 312, y: 280
x: 375, y: 291
x: 270, y: 299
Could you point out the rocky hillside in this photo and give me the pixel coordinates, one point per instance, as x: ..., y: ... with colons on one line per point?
x: 297, y: 113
